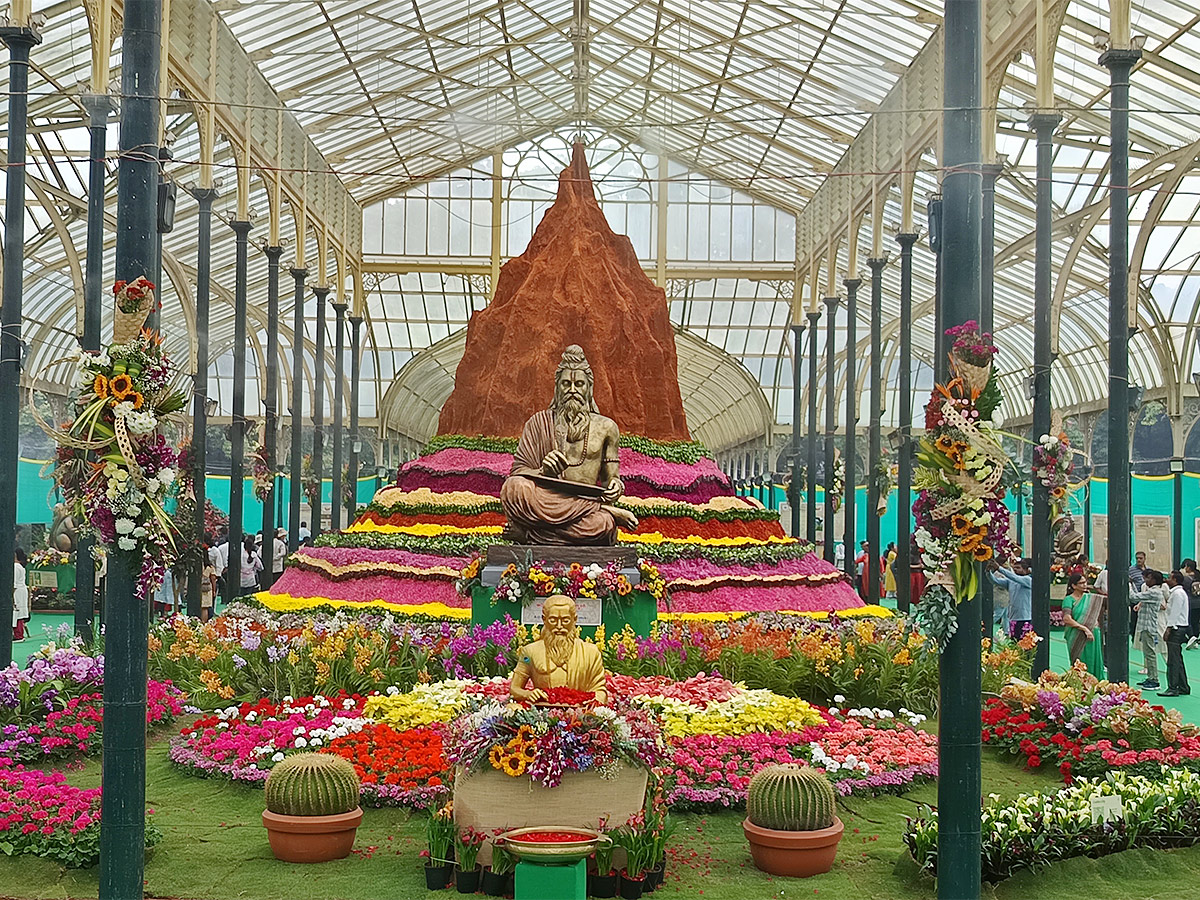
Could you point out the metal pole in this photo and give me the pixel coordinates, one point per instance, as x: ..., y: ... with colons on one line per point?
x: 1087, y: 516
x: 850, y: 451
x: 959, y: 780
x: 205, y: 197
x: 20, y: 40
x: 1177, y: 519
x: 797, y: 417
x: 831, y: 303
x: 271, y: 413
x: 904, y: 452
x: 339, y: 439
x: 1119, y: 63
x: 1044, y: 124
x: 874, y: 453
x: 810, y: 440
x: 987, y: 246
x: 126, y: 610
x: 318, y: 453
x: 237, y: 436
x: 355, y: 374
x: 297, y: 400
x: 98, y: 107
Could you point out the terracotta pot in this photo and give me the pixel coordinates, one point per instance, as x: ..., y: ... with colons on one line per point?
x: 309, y: 839
x: 796, y: 854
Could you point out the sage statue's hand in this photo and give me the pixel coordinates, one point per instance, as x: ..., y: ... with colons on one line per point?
x: 554, y: 463
x: 614, y: 491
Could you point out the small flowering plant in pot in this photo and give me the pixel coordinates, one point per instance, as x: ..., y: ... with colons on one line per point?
x: 312, y: 809
x: 497, y: 877
x: 605, y: 880
x: 638, y: 842
x: 790, y: 821
x: 439, y: 834
x: 466, y: 872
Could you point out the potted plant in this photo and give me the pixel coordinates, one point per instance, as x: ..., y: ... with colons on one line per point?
x: 638, y: 844
x: 439, y: 834
x: 603, y: 882
x: 661, y: 827
x: 790, y: 821
x: 466, y: 871
x: 497, y: 877
x: 312, y: 809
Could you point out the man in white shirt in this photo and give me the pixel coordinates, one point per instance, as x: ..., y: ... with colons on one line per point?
x: 1177, y: 633
x: 303, y: 534
x: 220, y: 560
x: 278, y: 553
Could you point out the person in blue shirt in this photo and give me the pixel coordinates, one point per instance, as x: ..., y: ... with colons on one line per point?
x: 1019, y: 584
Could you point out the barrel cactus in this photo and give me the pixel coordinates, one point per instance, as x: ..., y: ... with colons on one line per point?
x: 312, y: 784
x: 790, y: 798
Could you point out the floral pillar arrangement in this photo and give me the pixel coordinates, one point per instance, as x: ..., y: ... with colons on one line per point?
x: 960, y: 516
x: 1053, y: 464
x: 123, y: 395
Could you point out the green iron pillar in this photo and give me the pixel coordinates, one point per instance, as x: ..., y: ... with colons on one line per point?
x: 237, y: 428
x: 1177, y: 509
x: 355, y: 376
x: 875, y: 451
x: 271, y: 409
x: 959, y: 780
x: 1119, y: 63
x: 904, y: 456
x: 126, y: 611
x: 98, y: 108
x: 296, y: 399
x: 850, y: 451
x: 810, y: 439
x: 204, y: 197
x: 1044, y: 125
x: 339, y: 439
x: 831, y: 304
x: 797, y: 417
x: 987, y: 246
x: 20, y: 40
x: 318, y: 452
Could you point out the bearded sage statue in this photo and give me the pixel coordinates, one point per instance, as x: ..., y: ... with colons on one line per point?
x: 559, y: 658
x: 565, y: 475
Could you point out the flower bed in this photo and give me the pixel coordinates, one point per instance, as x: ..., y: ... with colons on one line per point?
x: 1034, y: 830
x: 1085, y: 727
x: 705, y: 736
x: 42, y: 815
x: 53, y: 707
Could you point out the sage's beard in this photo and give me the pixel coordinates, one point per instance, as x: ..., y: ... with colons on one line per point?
x: 573, y: 412
x: 558, y: 649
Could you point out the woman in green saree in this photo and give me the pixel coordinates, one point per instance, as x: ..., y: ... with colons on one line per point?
x: 1081, y: 618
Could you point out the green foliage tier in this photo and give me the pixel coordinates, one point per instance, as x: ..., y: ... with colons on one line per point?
x: 312, y: 784
x: 790, y: 798
x: 686, y: 452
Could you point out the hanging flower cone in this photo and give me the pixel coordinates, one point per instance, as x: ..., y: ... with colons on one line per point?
x: 975, y: 377
x: 134, y: 299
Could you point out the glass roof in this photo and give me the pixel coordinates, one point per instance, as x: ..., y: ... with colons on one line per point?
x: 741, y: 109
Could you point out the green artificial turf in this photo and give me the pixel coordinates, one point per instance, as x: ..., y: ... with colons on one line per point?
x: 214, y: 848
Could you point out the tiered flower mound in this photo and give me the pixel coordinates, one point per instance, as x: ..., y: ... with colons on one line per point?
x: 720, y: 554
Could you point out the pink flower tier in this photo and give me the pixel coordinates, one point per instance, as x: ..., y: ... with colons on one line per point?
x: 719, y: 554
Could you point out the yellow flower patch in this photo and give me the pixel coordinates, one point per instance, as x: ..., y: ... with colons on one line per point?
x: 288, y: 603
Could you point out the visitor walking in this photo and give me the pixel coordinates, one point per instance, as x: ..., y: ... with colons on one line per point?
x: 1019, y: 584
x: 1177, y: 621
x: 889, y: 576
x: 1081, y: 615
x: 916, y: 571
x: 1151, y: 608
x: 1137, y: 572
x: 302, y: 533
x: 251, y: 565
x: 278, y: 555
x: 220, y: 558
x: 208, y: 587
x: 20, y: 595
x: 1191, y: 585
x: 861, y: 579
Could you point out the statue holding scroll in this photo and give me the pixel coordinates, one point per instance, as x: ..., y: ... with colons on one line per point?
x: 559, y: 659
x: 565, y: 474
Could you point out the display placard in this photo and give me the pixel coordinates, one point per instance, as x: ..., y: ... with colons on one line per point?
x: 43, y: 578
x: 588, y: 611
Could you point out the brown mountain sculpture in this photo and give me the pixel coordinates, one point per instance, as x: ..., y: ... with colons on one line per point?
x: 577, y: 283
